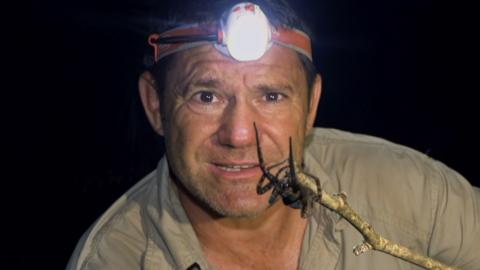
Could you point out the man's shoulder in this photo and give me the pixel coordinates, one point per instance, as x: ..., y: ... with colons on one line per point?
x: 337, y: 137
x: 332, y: 146
x: 407, y: 196
x: 373, y: 157
x: 388, y: 183
x: 117, y: 231
x: 365, y: 160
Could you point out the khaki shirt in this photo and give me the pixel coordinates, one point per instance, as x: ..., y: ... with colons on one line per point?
x: 406, y: 196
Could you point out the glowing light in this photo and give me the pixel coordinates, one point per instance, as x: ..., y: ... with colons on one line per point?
x: 243, y: 33
x: 247, y: 32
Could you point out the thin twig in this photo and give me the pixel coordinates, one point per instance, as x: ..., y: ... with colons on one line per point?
x: 373, y: 240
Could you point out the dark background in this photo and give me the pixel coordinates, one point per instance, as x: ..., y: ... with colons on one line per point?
x: 402, y: 70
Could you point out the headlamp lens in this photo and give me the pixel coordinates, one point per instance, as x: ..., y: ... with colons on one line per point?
x: 247, y: 32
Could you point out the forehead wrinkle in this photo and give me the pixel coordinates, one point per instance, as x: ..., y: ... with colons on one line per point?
x: 199, y: 73
x: 206, y: 62
x: 270, y: 77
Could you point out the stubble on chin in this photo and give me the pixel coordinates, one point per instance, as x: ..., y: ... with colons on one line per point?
x: 235, y: 200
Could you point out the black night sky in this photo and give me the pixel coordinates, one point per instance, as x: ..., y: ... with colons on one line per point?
x: 401, y: 70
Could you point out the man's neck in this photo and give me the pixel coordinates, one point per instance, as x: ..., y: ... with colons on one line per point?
x: 267, y: 238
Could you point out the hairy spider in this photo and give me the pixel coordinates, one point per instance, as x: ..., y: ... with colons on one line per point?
x: 290, y: 182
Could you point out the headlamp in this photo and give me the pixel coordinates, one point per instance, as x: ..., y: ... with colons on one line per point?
x: 246, y: 32
x: 243, y: 33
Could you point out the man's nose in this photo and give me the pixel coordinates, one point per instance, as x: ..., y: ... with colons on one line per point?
x: 236, y: 129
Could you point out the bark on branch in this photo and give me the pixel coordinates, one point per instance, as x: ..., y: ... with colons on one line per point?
x: 372, y: 240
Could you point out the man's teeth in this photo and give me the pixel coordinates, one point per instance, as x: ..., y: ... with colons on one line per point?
x: 234, y: 168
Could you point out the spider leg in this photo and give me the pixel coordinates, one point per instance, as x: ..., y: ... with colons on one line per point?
x: 291, y: 161
x: 261, y: 162
x: 266, y: 173
x: 274, y: 179
x: 277, y: 175
x: 309, y: 196
x: 274, y: 197
x: 301, y: 197
x: 307, y: 207
x: 277, y: 164
x: 262, y: 189
x: 317, y: 182
x: 292, y: 173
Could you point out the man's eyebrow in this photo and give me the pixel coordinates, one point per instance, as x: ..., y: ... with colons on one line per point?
x: 207, y: 82
x: 275, y: 87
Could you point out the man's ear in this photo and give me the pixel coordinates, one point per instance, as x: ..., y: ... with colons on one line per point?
x: 315, y: 94
x: 150, y: 101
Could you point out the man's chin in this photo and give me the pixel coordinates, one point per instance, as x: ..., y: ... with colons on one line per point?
x: 242, y: 212
x: 239, y: 207
x: 238, y: 199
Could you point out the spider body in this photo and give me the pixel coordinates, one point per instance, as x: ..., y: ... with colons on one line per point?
x: 290, y: 182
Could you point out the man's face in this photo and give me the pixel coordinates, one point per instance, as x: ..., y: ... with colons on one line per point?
x: 210, y: 104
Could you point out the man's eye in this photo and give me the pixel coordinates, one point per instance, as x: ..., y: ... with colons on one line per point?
x: 273, y: 97
x: 205, y: 97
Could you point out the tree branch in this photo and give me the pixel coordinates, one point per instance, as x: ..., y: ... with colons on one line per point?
x: 373, y: 240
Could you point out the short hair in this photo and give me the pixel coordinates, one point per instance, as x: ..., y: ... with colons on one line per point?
x: 184, y: 12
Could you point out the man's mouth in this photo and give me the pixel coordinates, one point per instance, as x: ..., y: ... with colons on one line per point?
x: 235, y: 168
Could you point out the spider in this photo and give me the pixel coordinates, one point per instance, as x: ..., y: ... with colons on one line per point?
x: 290, y: 182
